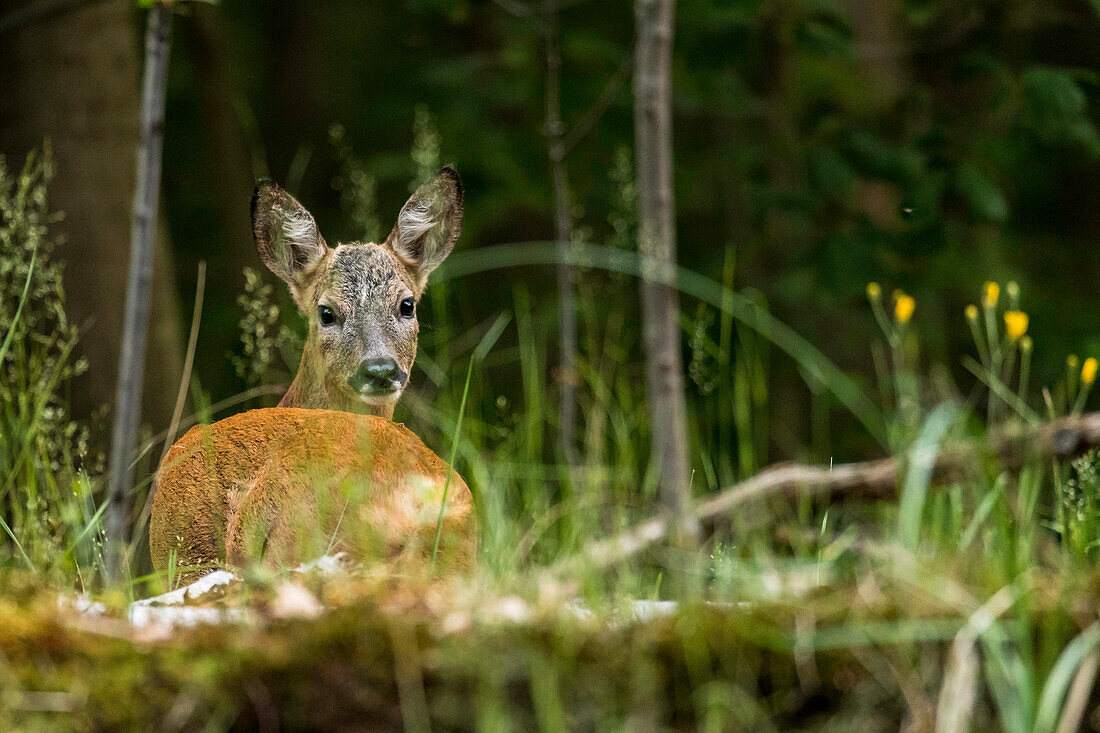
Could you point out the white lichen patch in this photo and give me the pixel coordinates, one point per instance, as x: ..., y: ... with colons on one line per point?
x: 199, y: 591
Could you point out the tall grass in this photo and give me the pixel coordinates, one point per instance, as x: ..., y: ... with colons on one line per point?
x: 968, y: 586
x: 48, y: 498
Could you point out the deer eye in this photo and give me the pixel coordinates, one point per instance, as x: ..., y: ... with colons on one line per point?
x: 325, y: 315
x: 408, y: 308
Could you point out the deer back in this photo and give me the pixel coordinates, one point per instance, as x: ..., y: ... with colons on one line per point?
x: 287, y: 485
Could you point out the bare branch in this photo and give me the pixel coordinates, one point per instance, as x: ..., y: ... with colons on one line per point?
x: 603, y: 103
x: 870, y: 480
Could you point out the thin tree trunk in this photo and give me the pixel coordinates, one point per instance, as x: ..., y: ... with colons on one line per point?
x: 562, y: 234
x: 657, y: 244
x: 138, y: 287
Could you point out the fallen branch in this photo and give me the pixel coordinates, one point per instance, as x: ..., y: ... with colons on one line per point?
x: 870, y: 480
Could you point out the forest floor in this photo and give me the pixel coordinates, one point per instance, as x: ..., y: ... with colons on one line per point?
x: 868, y: 639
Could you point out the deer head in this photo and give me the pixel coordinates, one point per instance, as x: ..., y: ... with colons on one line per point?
x: 359, y: 298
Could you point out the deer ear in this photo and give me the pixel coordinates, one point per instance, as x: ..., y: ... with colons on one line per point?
x: 286, y: 235
x: 429, y: 224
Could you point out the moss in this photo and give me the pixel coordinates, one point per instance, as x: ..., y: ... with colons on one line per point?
x: 738, y: 667
x: 863, y: 654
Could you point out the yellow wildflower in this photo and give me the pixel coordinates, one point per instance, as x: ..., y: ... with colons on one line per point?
x: 874, y: 291
x: 1015, y: 324
x: 1088, y: 370
x: 904, y: 306
x: 971, y: 312
x: 991, y: 293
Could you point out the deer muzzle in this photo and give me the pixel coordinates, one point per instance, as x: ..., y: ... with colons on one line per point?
x: 378, y: 377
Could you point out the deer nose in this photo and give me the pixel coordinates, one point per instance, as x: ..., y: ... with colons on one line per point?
x: 379, y: 373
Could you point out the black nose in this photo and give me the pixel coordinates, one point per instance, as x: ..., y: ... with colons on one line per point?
x: 380, y: 372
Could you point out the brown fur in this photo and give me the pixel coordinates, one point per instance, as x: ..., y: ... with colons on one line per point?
x: 286, y: 486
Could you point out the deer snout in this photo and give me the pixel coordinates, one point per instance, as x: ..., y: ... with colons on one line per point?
x: 378, y: 374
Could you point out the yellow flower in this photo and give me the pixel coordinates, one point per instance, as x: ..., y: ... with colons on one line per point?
x: 1015, y: 324
x: 991, y: 293
x: 904, y: 307
x: 874, y: 291
x: 1088, y: 370
x: 971, y: 312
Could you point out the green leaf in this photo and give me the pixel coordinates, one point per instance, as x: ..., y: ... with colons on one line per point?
x: 981, y: 192
x: 921, y: 460
x: 1061, y: 677
x: 1056, y: 108
x: 878, y: 157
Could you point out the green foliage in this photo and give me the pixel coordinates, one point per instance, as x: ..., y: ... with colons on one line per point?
x: 265, y: 342
x: 809, y: 160
x: 47, y: 498
x: 1056, y: 109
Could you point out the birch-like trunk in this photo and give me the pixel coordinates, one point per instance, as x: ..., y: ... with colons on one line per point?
x: 657, y: 245
x: 138, y: 286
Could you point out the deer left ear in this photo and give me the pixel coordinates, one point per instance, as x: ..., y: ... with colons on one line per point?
x: 286, y: 236
x: 429, y: 224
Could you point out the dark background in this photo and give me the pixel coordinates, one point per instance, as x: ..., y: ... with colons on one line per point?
x: 926, y: 145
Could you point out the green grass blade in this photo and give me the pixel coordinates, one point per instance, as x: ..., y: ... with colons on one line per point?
x: 982, y: 512
x: 89, y: 526
x: 19, y: 309
x: 1061, y: 677
x: 451, y: 460
x: 922, y: 459
x: 18, y: 546
x: 998, y: 387
x: 1009, y: 680
x: 703, y: 288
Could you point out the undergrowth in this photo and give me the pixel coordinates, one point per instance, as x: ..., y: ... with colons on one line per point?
x: 973, y: 601
x: 48, y: 509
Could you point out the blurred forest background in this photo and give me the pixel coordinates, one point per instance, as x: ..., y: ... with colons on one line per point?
x: 914, y: 153
x: 929, y: 145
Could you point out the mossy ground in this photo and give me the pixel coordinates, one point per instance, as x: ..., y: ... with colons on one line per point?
x: 390, y: 656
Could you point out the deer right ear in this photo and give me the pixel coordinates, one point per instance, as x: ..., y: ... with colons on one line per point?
x: 286, y: 235
x: 429, y: 224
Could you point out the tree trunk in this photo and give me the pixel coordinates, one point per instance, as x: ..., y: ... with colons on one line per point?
x: 657, y: 245
x: 135, y: 323
x: 71, y: 77
x: 563, y: 233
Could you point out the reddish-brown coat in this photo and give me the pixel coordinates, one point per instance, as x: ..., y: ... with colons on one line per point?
x: 287, y: 485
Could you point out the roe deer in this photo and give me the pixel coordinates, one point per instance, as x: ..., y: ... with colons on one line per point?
x: 288, y: 485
